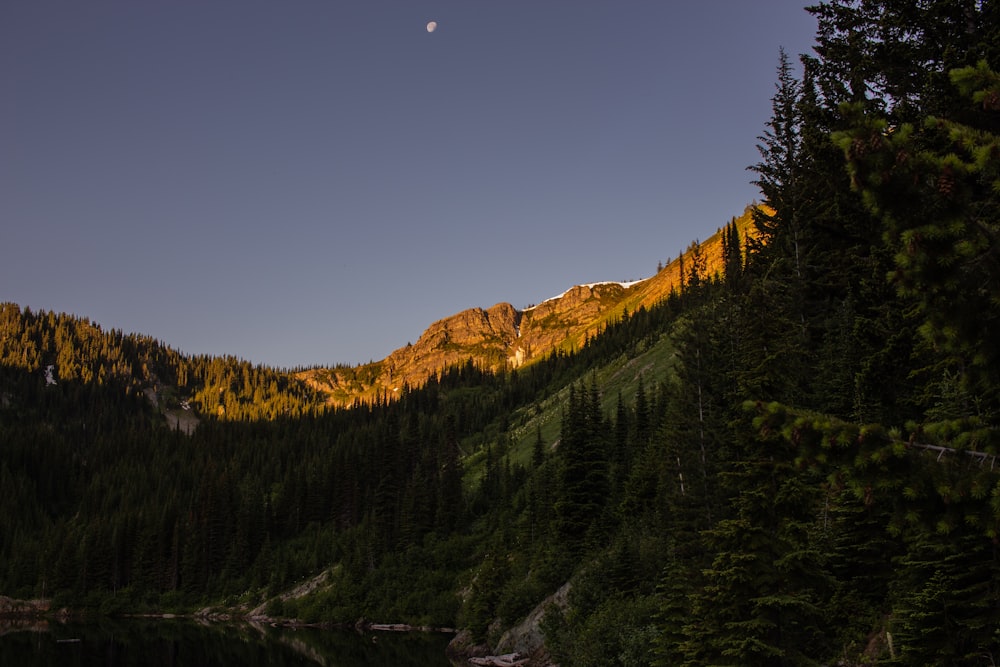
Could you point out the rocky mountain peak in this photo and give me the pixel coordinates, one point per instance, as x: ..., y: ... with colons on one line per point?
x: 502, y: 337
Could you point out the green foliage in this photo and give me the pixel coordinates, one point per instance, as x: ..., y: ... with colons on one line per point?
x: 619, y: 631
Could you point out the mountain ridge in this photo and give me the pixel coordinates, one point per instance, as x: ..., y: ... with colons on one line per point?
x: 501, y: 337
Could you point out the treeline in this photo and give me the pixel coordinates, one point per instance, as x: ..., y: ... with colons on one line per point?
x: 81, y: 351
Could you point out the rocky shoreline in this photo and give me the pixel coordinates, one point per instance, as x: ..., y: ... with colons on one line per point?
x: 12, y: 608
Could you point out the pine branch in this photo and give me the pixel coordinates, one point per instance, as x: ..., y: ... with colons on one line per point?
x: 942, y: 450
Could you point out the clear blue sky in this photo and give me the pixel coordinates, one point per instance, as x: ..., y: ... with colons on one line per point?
x: 315, y: 181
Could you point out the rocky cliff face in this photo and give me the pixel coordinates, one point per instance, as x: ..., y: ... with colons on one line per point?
x: 565, y: 321
x: 496, y: 338
x: 502, y: 337
x: 482, y: 335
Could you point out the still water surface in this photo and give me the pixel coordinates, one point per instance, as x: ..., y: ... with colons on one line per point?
x: 180, y: 643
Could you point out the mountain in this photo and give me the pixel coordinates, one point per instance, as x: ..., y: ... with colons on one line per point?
x: 503, y: 337
x: 64, y: 348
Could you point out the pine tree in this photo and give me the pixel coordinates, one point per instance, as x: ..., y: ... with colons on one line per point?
x: 768, y: 588
x: 583, y: 484
x: 777, y: 225
x: 945, y: 610
x: 935, y: 188
x: 450, y: 500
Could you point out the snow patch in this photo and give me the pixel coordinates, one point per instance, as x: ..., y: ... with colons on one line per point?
x: 624, y: 283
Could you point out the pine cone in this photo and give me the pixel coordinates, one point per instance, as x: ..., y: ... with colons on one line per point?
x: 946, y: 182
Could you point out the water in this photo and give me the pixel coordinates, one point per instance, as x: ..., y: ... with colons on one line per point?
x: 183, y: 643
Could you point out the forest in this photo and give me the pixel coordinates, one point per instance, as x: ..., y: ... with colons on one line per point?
x: 798, y: 468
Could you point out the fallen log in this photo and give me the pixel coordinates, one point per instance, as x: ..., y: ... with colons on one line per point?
x: 506, y: 660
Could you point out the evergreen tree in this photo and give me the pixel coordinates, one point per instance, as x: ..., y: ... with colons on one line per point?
x: 583, y: 485
x: 935, y: 189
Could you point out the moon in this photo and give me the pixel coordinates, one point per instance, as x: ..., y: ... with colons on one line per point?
x: 432, y: 26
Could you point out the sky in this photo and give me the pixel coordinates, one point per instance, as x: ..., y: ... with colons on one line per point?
x: 314, y: 182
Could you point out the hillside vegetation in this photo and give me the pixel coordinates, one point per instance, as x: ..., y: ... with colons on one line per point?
x: 790, y: 460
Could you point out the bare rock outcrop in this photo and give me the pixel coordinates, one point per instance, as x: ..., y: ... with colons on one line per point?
x: 483, y: 335
x: 565, y: 321
x: 523, y: 644
x: 526, y: 638
x: 503, y: 337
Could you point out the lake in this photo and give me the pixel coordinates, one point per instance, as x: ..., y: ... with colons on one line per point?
x: 186, y: 643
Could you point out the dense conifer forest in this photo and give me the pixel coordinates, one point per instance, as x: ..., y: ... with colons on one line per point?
x: 800, y: 468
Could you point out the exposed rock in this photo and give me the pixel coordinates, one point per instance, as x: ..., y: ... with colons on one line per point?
x: 181, y: 419
x: 503, y: 337
x: 479, y: 334
x: 463, y: 646
x: 508, y: 660
x: 567, y: 320
x: 526, y: 638
x: 299, y: 591
x: 485, y: 336
x: 523, y: 644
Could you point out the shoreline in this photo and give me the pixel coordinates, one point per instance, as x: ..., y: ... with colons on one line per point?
x: 17, y: 611
x: 37, y: 615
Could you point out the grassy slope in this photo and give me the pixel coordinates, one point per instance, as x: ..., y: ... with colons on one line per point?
x: 653, y: 364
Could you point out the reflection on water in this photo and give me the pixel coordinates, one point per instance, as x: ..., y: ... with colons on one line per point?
x: 183, y: 643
